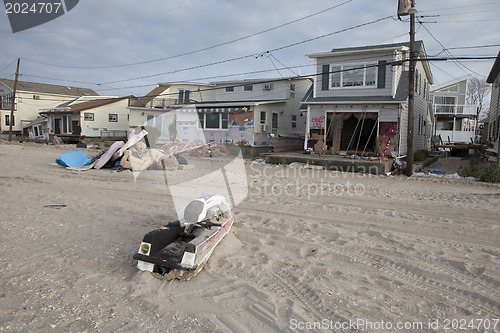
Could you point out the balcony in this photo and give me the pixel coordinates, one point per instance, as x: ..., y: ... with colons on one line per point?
x: 157, y: 103
x: 7, y: 106
x: 455, y: 110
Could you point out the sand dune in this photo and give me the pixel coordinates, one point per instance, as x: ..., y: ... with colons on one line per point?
x: 305, y: 247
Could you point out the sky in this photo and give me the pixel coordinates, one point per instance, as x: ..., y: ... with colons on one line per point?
x: 126, y: 47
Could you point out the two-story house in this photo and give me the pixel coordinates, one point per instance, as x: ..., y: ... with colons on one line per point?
x: 455, y: 121
x: 360, y: 100
x: 245, y: 112
x: 30, y: 98
x: 155, y: 108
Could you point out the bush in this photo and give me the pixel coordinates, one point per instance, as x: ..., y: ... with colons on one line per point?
x: 491, y: 174
x: 421, y: 155
x: 484, y: 172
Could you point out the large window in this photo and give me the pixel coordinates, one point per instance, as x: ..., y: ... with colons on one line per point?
x: 444, y: 104
x: 216, y: 120
x: 354, y: 76
x: 184, y: 96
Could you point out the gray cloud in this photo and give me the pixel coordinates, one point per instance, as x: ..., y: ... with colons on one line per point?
x: 110, y: 32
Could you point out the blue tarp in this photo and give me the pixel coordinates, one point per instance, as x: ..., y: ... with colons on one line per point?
x: 74, y: 159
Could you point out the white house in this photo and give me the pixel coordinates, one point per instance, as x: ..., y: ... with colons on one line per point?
x: 30, y: 98
x: 359, y: 100
x: 99, y: 118
x: 455, y: 120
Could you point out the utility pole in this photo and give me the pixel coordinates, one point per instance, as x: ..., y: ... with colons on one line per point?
x: 411, y: 92
x: 11, y: 120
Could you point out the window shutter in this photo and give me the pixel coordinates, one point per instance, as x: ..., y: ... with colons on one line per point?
x: 325, y: 77
x: 382, y: 64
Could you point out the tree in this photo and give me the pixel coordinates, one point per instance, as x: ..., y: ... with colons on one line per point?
x: 477, y: 90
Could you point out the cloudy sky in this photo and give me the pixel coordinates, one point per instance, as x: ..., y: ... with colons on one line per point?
x: 123, y: 47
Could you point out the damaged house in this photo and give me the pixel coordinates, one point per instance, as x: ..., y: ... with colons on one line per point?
x: 359, y: 100
x: 249, y: 113
x: 103, y: 117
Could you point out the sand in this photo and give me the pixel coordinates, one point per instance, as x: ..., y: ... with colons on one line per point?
x: 309, y: 250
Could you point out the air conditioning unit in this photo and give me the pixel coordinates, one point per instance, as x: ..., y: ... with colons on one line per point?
x: 263, y: 127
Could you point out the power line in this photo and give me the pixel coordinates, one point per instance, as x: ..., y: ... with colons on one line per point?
x: 459, y: 7
x: 255, y: 54
x: 202, y: 49
x: 13, y: 62
x: 449, y: 53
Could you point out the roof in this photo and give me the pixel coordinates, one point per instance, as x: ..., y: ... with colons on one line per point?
x: 264, y: 80
x: 38, y: 120
x: 450, y: 83
x: 366, y: 48
x: 77, y: 108
x: 419, y: 45
x: 143, y: 101
x: 494, y: 70
x: 35, y: 87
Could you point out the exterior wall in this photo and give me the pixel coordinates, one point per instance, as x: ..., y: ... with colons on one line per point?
x: 241, y: 132
x: 279, y: 90
x: 494, y: 115
x: 198, y: 94
x: 366, y: 58
x: 28, y: 106
x: 101, y: 126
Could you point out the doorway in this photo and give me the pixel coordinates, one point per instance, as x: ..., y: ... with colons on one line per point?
x: 57, y: 126
x: 358, y: 133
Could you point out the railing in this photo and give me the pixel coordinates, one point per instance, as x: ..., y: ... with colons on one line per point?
x: 7, y: 106
x: 157, y: 103
x: 455, y: 109
x: 456, y: 136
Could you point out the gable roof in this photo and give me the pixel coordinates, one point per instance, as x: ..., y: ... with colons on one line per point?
x: 143, y: 101
x: 494, y: 70
x: 34, y: 87
x: 77, y: 108
x: 450, y: 83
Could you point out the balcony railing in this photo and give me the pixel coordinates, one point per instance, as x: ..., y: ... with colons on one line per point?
x: 455, y: 109
x: 157, y: 103
x: 7, y: 106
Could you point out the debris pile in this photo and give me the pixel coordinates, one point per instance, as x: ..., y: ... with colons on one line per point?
x: 135, y: 155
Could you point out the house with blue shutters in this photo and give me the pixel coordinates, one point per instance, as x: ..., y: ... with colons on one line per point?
x: 359, y: 100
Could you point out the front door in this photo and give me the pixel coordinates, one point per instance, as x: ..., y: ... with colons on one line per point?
x: 57, y: 126
x: 274, y: 123
x: 77, y: 130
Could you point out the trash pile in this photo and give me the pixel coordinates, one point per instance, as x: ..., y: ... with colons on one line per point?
x: 135, y: 155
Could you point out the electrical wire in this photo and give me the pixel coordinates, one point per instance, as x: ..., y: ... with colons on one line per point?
x: 1, y: 70
x: 202, y: 49
x: 255, y: 54
x: 451, y: 55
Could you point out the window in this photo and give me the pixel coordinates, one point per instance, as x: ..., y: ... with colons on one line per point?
x: 268, y: 87
x: 444, y: 104
x: 88, y: 116
x: 262, y: 117
x: 248, y: 87
x: 113, y: 117
x: 66, y: 124
x: 292, y: 87
x: 215, y: 120
x: 184, y: 96
x: 37, y: 97
x: 229, y: 89
x: 7, y: 120
x: 354, y: 76
x: 294, y: 121
x: 336, y: 76
x: 451, y: 89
